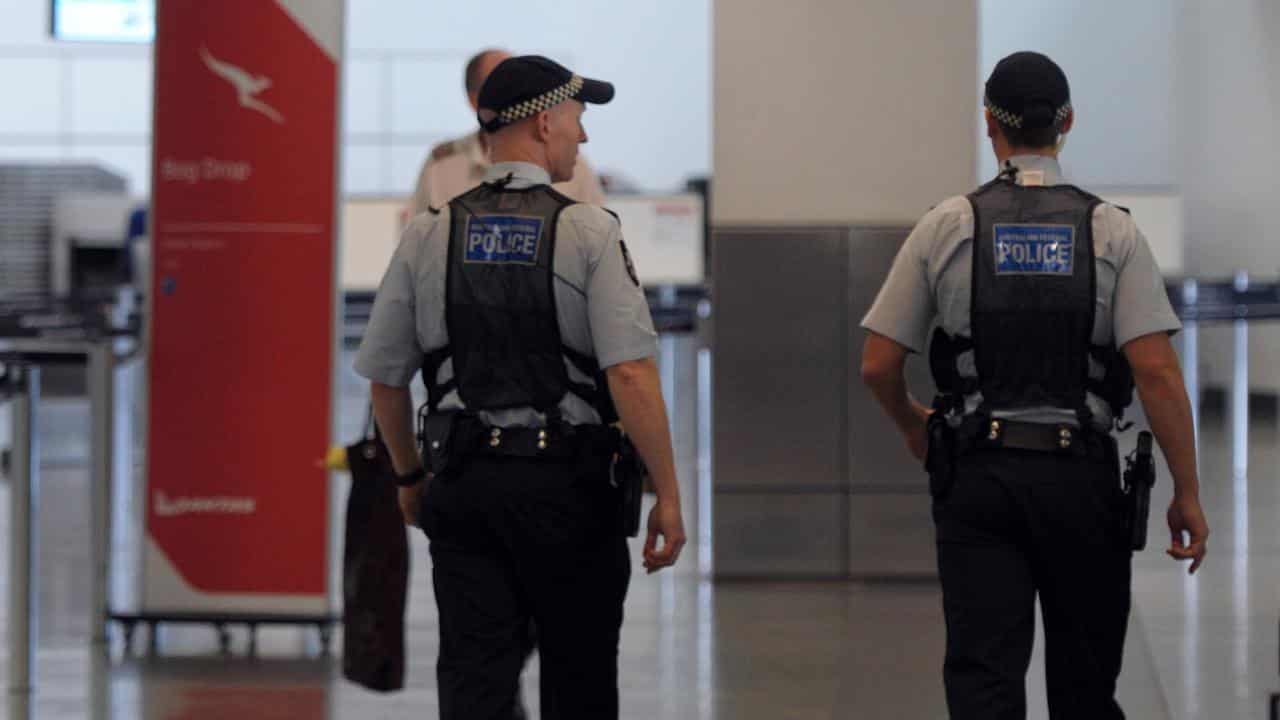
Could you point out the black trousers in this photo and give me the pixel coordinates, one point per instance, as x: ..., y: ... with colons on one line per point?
x: 1016, y: 525
x: 515, y: 540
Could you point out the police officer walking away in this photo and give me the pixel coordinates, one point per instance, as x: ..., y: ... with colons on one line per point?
x: 527, y: 320
x: 1050, y: 307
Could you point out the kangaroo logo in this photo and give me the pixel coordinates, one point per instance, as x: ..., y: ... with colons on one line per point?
x: 247, y: 85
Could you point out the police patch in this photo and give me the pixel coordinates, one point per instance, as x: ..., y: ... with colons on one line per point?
x: 503, y: 239
x: 631, y: 266
x: 1025, y: 249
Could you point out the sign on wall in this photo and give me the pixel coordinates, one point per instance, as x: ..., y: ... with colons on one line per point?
x: 242, y: 322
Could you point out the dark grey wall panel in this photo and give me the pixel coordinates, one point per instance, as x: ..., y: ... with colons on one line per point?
x: 890, y: 529
x: 878, y: 456
x: 891, y: 535
x: 780, y: 366
x: 811, y: 480
x: 779, y: 535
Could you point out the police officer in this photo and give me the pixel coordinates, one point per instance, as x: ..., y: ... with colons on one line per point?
x: 457, y: 165
x: 1049, y: 305
x: 529, y: 324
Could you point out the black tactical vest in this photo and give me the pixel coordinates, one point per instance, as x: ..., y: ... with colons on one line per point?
x: 500, y: 308
x: 1032, y: 305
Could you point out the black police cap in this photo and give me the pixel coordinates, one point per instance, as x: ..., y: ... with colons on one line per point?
x: 524, y: 86
x: 1029, y: 91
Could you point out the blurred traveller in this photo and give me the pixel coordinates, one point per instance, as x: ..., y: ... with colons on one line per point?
x: 458, y: 165
x: 1050, y: 306
x: 525, y: 315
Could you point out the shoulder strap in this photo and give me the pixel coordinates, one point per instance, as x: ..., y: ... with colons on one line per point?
x: 370, y: 424
x: 436, y: 390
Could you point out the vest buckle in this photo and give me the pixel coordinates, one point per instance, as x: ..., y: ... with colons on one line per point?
x: 994, y: 433
x: 1065, y: 438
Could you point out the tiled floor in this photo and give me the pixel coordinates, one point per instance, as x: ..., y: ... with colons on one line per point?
x: 1202, y: 649
x: 1214, y: 637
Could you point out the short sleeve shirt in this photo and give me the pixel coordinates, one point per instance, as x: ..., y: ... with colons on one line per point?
x: 600, y: 305
x: 931, y: 278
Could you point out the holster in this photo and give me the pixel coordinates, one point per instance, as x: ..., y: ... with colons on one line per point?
x: 940, y: 461
x: 1139, y: 478
x: 628, y: 474
x: 437, y: 438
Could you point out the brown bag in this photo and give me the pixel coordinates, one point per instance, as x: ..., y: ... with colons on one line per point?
x: 375, y: 565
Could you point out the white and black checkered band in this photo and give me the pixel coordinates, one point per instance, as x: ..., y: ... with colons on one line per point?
x: 545, y: 101
x: 1008, y: 119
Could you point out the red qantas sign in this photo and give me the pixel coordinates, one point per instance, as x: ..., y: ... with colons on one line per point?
x: 242, y: 326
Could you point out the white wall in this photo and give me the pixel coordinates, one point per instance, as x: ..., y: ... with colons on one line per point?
x: 1230, y: 106
x: 656, y: 132
x: 1119, y: 58
x: 403, y: 85
x: 842, y: 112
x: 72, y: 101
x: 1229, y: 102
x: 1179, y: 94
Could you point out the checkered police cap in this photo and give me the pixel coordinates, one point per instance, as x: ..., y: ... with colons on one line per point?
x: 522, y: 87
x: 1029, y: 91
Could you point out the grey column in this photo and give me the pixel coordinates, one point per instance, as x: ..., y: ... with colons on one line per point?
x: 23, y: 507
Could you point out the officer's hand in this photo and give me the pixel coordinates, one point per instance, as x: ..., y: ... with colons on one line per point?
x: 664, y: 520
x: 1186, y: 516
x: 918, y: 432
x: 918, y: 442
x: 410, y: 498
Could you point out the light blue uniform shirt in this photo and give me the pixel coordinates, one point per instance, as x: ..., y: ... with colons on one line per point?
x: 602, y: 312
x: 931, y: 278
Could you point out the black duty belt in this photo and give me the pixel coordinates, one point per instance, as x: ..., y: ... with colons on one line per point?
x: 998, y: 433
x: 559, y: 441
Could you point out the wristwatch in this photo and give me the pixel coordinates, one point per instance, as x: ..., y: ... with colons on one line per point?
x: 411, y: 478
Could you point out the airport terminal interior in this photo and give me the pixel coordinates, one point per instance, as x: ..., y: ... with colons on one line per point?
x: 176, y: 353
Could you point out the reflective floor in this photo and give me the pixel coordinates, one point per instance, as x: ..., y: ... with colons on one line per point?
x: 1199, y: 649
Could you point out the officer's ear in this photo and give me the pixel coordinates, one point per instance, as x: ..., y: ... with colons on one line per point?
x: 1067, y: 123
x: 993, y: 125
x: 542, y: 124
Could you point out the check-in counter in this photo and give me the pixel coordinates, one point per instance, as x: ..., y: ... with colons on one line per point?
x: 664, y: 234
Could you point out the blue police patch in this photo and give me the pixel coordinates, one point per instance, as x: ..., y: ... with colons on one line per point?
x: 1035, y: 249
x: 503, y: 239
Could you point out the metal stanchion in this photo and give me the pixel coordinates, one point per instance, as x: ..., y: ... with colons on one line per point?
x: 1240, y: 385
x: 667, y: 354
x: 1191, y: 355
x: 705, y: 491
x: 101, y: 375
x: 23, y: 505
